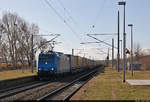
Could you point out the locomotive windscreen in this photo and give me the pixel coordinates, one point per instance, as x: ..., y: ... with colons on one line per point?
x: 46, y: 58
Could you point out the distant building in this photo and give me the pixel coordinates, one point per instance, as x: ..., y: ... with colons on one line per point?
x: 136, y: 66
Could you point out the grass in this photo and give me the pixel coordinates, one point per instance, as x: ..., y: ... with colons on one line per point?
x: 4, y: 75
x: 109, y: 86
x: 10, y: 65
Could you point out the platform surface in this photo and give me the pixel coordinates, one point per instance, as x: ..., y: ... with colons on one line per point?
x: 139, y: 82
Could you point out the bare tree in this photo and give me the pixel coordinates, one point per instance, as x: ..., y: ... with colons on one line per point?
x: 148, y: 51
x: 8, y: 22
x: 138, y: 51
x: 15, y: 35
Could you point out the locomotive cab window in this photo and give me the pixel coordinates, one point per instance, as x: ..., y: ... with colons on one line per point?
x: 46, y: 58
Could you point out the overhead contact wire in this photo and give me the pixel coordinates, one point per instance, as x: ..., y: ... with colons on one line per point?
x: 48, y: 3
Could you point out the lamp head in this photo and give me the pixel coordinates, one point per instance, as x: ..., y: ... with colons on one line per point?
x: 122, y: 3
x: 130, y: 25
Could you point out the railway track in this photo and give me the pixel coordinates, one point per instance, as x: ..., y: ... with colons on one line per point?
x: 65, y: 92
x: 18, y: 86
x: 39, y: 90
x: 14, y: 90
x: 30, y: 92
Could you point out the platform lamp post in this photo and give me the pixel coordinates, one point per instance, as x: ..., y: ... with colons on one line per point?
x: 131, y: 25
x: 118, y: 54
x: 32, y: 56
x: 124, y: 41
x: 121, y: 49
x: 112, y: 52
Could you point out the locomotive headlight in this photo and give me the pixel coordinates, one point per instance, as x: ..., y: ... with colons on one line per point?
x: 52, y: 69
x: 40, y: 69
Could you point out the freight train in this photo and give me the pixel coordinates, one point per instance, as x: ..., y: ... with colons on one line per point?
x: 55, y: 63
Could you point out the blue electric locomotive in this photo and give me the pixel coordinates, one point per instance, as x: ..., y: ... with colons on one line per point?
x: 52, y: 64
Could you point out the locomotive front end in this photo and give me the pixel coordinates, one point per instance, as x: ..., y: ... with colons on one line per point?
x: 47, y: 64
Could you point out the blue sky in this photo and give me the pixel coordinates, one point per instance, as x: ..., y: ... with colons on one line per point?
x: 101, y: 13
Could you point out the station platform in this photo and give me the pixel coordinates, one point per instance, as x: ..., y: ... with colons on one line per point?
x: 139, y: 82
